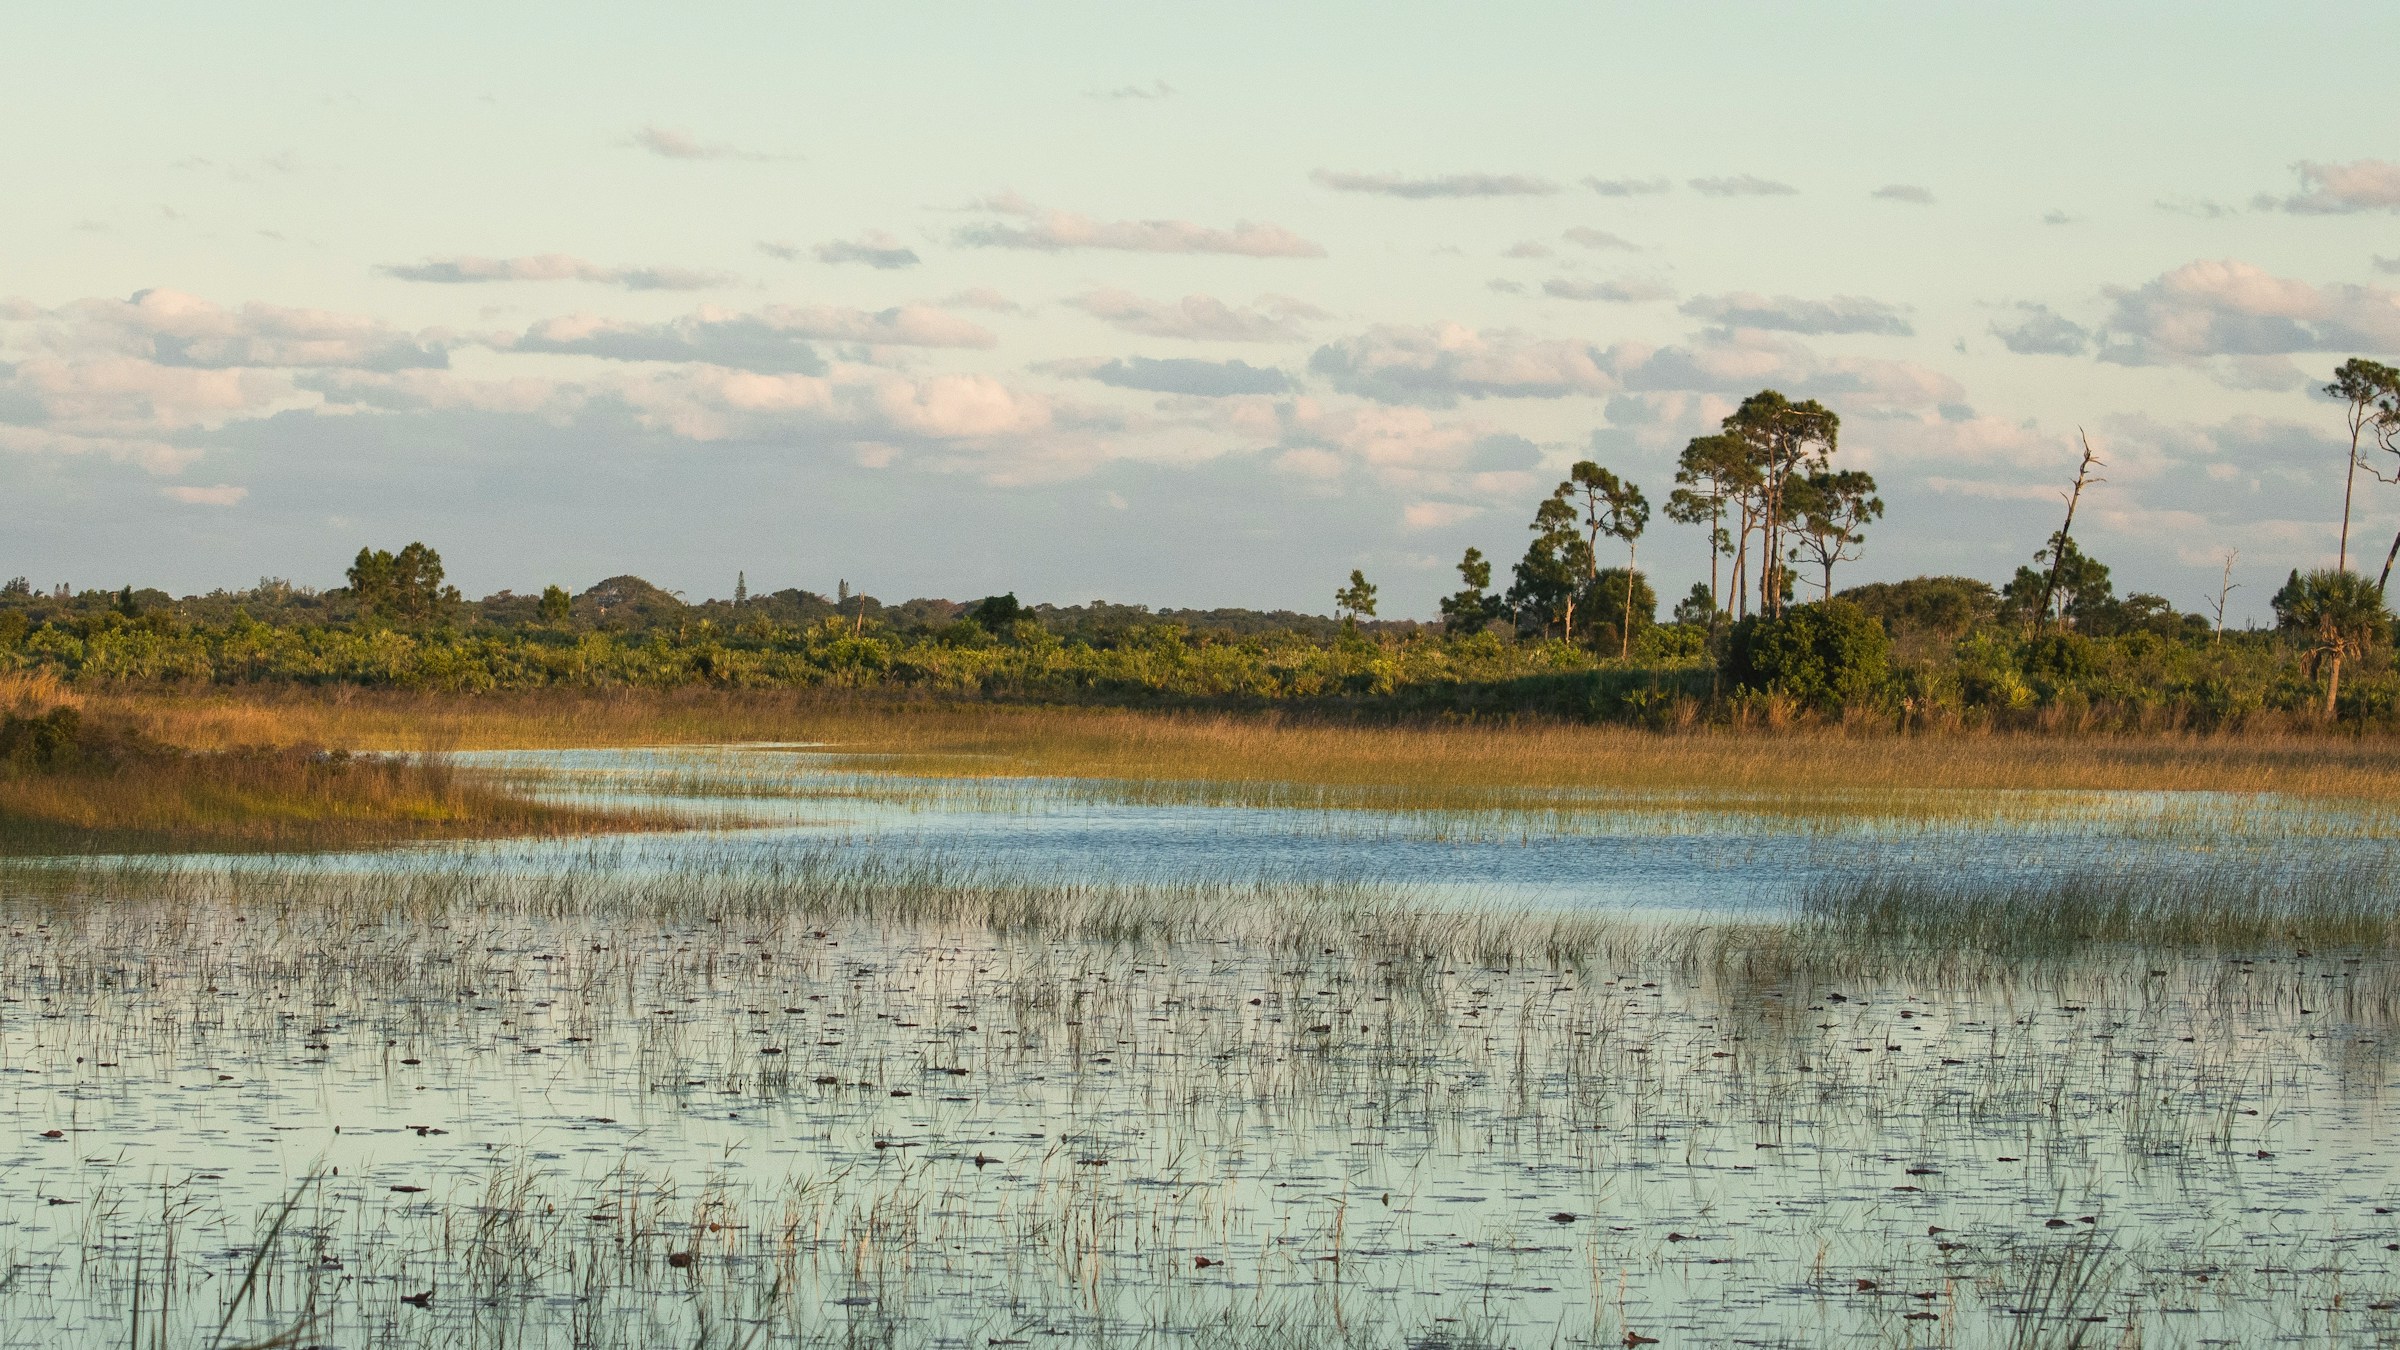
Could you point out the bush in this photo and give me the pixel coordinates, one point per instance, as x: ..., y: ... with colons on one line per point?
x: 1825, y: 655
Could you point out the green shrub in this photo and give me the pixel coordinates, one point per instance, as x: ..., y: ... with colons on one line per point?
x: 1826, y: 655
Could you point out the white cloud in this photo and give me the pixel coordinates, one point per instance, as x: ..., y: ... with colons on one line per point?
x: 1436, y: 515
x: 1597, y: 239
x: 2241, y: 321
x: 773, y: 339
x: 981, y: 297
x: 2339, y: 189
x: 223, y: 494
x: 1625, y: 291
x: 1788, y: 314
x: 467, y: 269
x: 2040, y: 331
x: 442, y: 391
x: 874, y: 248
x: 1627, y: 187
x: 1198, y: 318
x: 1904, y: 192
x: 1438, y: 364
x: 156, y: 456
x: 670, y: 143
x: 1742, y: 185
x: 1049, y: 230
x: 1743, y: 361
x: 1198, y: 379
x: 1441, y: 185
x: 124, y: 396
x: 173, y: 328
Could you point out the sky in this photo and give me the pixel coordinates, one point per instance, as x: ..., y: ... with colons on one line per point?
x: 1171, y: 305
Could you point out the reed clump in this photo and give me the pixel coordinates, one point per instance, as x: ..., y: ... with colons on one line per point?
x: 2229, y: 907
x: 81, y: 779
x: 1463, y: 760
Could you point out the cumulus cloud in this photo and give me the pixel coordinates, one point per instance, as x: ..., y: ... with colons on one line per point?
x: 874, y: 248
x: 1904, y: 192
x: 1626, y: 291
x: 1437, y: 365
x: 1627, y: 187
x: 1527, y: 248
x: 2340, y: 189
x: 1401, y: 444
x: 772, y: 340
x: 223, y: 494
x: 2383, y: 264
x: 1787, y: 314
x: 1742, y: 185
x: 1179, y: 375
x: 2041, y: 331
x: 982, y: 297
x: 467, y: 269
x: 1505, y: 286
x: 1198, y: 318
x: 1598, y: 239
x: 130, y: 398
x: 670, y: 143
x: 775, y: 248
x: 441, y: 391
x: 2198, y: 208
x: 715, y: 403
x: 1737, y: 362
x: 968, y: 423
x: 1436, y: 515
x: 173, y: 328
x: 1442, y: 185
x: 2244, y: 320
x: 1052, y: 231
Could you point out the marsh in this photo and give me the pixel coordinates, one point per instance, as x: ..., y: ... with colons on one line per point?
x: 877, y: 1051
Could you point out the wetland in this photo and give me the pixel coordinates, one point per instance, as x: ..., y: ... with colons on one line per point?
x: 912, y: 1039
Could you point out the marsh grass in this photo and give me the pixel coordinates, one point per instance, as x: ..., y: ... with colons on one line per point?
x: 79, y: 777
x: 1366, y: 1113
x: 1458, y: 765
x: 2242, y: 907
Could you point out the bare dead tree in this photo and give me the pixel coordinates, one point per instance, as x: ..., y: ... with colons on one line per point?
x: 2058, y: 546
x: 2226, y: 586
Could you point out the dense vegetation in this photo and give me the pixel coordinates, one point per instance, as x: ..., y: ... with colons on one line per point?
x: 1929, y: 652
x: 2054, y: 646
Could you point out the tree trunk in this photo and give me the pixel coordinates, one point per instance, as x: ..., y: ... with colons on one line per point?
x: 2333, y: 682
x: 1741, y: 565
x: 2349, y: 482
x: 1625, y: 623
x: 2387, y: 565
x: 1716, y: 528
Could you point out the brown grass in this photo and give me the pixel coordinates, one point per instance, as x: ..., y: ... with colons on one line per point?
x: 153, y: 791
x: 274, y: 801
x: 1137, y: 745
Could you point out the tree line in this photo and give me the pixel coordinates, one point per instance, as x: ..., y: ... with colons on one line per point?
x: 1765, y: 491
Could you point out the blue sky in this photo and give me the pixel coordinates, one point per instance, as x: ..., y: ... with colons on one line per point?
x: 1190, y: 306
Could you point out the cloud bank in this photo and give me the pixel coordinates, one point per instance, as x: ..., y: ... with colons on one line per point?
x: 1052, y: 231
x: 468, y: 270
x: 1445, y: 185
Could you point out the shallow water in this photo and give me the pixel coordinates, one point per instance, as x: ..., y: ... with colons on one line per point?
x: 1681, y: 854
x: 526, y: 1113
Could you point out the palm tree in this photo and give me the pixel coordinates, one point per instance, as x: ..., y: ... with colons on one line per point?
x: 2341, y: 612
